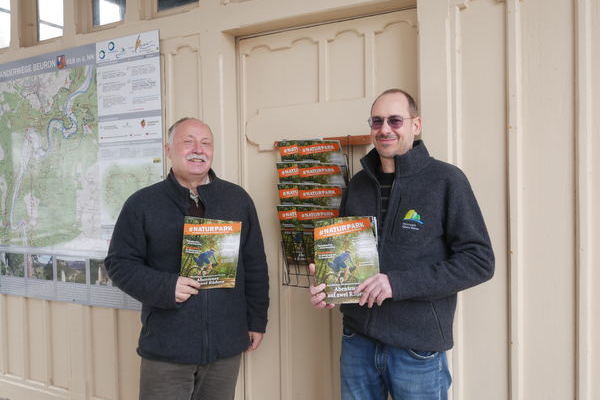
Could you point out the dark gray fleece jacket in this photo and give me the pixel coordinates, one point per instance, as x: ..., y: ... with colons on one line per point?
x: 144, y: 260
x: 434, y: 244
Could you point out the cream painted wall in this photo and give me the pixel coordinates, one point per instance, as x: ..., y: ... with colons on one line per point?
x: 509, y: 91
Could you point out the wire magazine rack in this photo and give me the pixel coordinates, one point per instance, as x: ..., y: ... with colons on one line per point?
x: 295, y: 268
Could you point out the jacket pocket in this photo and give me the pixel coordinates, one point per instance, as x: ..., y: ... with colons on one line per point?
x: 437, y: 320
x: 145, y: 324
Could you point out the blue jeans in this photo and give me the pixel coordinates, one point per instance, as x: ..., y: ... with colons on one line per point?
x: 371, y: 370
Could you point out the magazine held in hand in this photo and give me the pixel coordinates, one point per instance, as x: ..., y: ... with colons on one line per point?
x: 345, y: 255
x: 210, y: 251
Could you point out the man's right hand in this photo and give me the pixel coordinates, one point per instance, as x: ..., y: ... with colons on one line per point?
x: 317, y: 293
x: 185, y: 288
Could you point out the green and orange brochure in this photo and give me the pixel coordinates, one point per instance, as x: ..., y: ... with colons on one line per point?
x: 310, y: 194
x: 345, y: 253
x: 319, y: 150
x: 307, y: 215
x: 210, y: 251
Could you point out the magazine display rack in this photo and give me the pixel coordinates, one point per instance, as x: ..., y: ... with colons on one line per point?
x: 297, y: 244
x: 295, y: 269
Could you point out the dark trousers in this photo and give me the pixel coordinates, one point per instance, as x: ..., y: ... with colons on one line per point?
x: 161, y: 380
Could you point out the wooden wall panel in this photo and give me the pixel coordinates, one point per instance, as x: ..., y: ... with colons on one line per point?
x: 38, y: 341
x: 548, y: 200
x: 280, y: 86
x: 584, y: 190
x: 396, y: 57
x: 346, y: 66
x: 128, y: 330
x: 60, y: 344
x: 594, y: 200
x: 550, y: 165
x: 481, y: 145
x: 515, y: 195
x: 104, y: 347
x: 16, y: 332
x: 588, y: 60
x: 181, y: 78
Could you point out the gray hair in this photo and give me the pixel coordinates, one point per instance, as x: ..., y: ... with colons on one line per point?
x: 172, y: 128
x: 412, y: 104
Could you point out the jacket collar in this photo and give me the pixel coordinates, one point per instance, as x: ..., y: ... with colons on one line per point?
x: 406, y: 164
x: 181, y: 194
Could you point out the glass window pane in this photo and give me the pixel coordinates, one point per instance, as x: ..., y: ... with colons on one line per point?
x: 166, y: 4
x: 108, y: 11
x: 4, y: 23
x: 49, y: 32
x: 50, y: 18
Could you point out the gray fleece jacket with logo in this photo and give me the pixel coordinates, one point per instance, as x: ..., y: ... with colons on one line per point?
x: 144, y: 260
x: 434, y: 243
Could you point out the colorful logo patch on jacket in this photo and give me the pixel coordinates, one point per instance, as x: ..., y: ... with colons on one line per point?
x: 412, y: 215
x: 412, y: 220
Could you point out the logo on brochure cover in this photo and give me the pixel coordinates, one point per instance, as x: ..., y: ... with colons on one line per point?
x: 412, y: 220
x: 61, y: 61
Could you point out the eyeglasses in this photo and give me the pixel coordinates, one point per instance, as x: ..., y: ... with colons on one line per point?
x: 394, y: 121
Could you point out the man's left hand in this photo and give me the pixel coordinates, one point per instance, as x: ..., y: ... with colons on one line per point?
x: 374, y: 290
x: 255, y: 340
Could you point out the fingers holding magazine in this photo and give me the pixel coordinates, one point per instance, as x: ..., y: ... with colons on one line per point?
x: 185, y: 288
x: 317, y: 293
x: 374, y: 290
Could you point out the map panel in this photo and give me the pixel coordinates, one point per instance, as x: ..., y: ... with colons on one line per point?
x: 49, y: 160
x: 124, y: 170
x: 66, y: 168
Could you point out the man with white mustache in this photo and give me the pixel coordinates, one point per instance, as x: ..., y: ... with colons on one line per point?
x: 432, y: 243
x: 192, y: 338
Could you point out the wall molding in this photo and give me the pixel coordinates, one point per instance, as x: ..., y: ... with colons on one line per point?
x: 455, y: 157
x: 583, y: 193
x: 170, y: 49
x: 515, y: 197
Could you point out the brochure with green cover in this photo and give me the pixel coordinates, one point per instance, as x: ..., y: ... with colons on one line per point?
x: 310, y: 194
x: 321, y: 173
x: 288, y: 193
x: 210, y: 251
x: 345, y: 255
x: 325, y: 151
x: 320, y: 195
x: 306, y: 216
x: 288, y: 172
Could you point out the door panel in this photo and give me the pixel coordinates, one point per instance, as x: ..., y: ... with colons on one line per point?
x: 306, y: 83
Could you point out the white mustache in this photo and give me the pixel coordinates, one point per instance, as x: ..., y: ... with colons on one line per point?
x: 385, y: 137
x: 194, y: 157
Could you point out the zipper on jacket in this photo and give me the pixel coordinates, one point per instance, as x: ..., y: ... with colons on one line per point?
x: 390, y: 217
x: 371, y: 175
x: 205, y: 308
x: 206, y: 325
